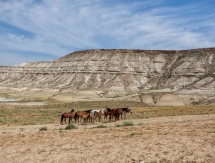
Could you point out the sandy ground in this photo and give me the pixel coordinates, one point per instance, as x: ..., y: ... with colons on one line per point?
x: 165, y: 139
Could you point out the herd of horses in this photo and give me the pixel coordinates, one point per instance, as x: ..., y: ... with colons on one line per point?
x: 114, y: 114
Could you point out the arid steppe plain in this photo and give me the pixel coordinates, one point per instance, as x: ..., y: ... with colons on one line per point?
x: 32, y: 133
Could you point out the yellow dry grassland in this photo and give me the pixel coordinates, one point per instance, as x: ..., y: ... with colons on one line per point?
x: 50, y: 114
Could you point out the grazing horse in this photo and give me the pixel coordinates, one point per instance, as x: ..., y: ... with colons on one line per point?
x: 83, y: 115
x: 69, y: 115
x: 125, y: 111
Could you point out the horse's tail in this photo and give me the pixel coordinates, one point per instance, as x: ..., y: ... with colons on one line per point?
x: 76, y: 117
x: 61, y: 120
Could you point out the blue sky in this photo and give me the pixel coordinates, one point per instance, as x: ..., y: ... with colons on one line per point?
x: 42, y: 30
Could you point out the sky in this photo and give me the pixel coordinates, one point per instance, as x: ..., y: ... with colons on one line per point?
x: 44, y: 30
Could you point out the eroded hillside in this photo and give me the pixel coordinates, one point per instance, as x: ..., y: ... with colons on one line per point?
x: 157, y: 77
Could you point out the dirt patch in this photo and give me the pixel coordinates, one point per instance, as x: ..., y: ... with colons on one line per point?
x: 164, y: 139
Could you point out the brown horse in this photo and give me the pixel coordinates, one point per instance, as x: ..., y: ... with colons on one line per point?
x: 123, y: 111
x: 112, y: 112
x: 106, y: 113
x: 69, y: 115
x: 98, y: 115
x: 120, y: 112
x: 85, y: 115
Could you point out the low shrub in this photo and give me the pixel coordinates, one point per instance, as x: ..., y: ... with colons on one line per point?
x: 100, y: 126
x: 44, y: 128
x: 128, y: 123
x: 70, y: 126
x: 118, y: 125
x: 140, y: 124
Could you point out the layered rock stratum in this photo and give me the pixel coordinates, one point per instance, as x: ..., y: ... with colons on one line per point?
x: 156, y: 77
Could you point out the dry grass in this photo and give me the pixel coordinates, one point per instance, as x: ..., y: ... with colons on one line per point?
x: 49, y: 114
x: 141, y: 138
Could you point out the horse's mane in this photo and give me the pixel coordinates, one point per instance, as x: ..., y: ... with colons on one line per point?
x: 125, y: 109
x: 88, y: 111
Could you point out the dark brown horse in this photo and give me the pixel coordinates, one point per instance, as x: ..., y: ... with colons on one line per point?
x: 69, y: 115
x: 123, y: 111
x: 112, y: 112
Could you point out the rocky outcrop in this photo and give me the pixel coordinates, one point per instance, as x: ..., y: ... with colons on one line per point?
x: 151, y: 76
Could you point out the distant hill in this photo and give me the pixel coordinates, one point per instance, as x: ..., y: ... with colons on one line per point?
x: 156, y: 77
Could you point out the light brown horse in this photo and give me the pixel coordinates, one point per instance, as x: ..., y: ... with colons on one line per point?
x: 69, y: 115
x: 98, y: 115
x: 85, y: 115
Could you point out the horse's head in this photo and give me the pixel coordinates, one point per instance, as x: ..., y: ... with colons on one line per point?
x: 130, y: 111
x: 106, y: 109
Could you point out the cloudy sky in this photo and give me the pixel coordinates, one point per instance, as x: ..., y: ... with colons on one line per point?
x: 42, y: 30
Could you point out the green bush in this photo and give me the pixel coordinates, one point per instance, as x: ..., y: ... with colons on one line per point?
x: 118, y: 125
x: 44, y: 128
x: 132, y: 134
x: 140, y: 124
x: 128, y: 123
x: 100, y: 126
x: 70, y: 126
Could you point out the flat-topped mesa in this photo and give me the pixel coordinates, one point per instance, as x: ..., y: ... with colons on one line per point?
x: 133, y: 51
x: 119, y: 70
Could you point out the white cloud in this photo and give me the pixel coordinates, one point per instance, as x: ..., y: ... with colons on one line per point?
x: 59, y: 27
x: 9, y: 59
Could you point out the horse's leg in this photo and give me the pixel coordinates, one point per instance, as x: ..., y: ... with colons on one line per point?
x: 116, y: 118
x: 70, y: 119
x: 105, y: 117
x: 109, y: 118
x: 61, y: 120
x: 85, y: 119
x: 77, y: 119
x: 65, y: 120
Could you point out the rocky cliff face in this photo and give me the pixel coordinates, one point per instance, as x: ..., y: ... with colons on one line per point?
x: 151, y: 76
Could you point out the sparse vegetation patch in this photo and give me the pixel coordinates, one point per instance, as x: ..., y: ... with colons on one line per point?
x: 128, y: 123
x: 70, y: 126
x: 44, y: 128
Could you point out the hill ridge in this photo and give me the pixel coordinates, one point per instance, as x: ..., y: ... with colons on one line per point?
x: 184, y: 75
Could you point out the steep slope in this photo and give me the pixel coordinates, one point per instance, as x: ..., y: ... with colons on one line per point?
x: 151, y: 76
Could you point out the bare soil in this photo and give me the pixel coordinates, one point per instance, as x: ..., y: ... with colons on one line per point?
x: 189, y: 138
